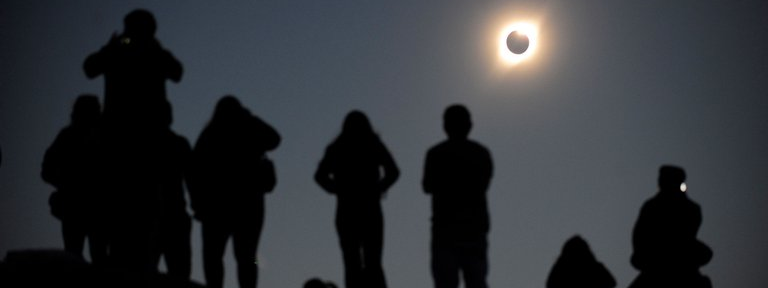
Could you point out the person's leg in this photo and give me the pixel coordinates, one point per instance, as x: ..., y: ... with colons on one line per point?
x: 246, y: 241
x: 162, y: 245
x: 178, y: 250
x: 349, y: 240
x: 74, y: 237
x: 474, y: 264
x: 97, y: 243
x: 445, y: 266
x: 214, y: 242
x: 372, y: 247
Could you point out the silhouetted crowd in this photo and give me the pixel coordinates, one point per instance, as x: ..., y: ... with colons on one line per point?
x: 120, y: 174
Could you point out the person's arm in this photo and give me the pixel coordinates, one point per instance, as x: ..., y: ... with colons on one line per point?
x: 391, y: 172
x: 428, y: 181
x: 268, y: 136
x: 96, y: 63
x: 640, y: 240
x: 197, y: 177
x: 50, y: 172
x: 324, y: 175
x: 173, y: 67
x: 487, y: 170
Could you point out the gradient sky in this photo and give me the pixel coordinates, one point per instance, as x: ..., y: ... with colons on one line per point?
x: 577, y: 133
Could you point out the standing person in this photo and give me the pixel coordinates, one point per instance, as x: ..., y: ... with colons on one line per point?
x: 175, y: 225
x: 359, y: 169
x: 457, y: 174
x: 665, y: 247
x: 71, y: 165
x: 229, y: 176
x: 135, y: 67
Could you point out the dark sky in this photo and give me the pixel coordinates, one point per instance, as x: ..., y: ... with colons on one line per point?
x: 577, y: 133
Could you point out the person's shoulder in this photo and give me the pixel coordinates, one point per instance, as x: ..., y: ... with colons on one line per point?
x: 179, y: 140
x: 479, y: 147
x: 692, y: 204
x: 439, y: 147
x: 333, y: 149
x: 67, y: 132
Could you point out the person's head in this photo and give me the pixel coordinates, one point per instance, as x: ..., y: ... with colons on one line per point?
x: 86, y: 110
x: 671, y: 178
x: 356, y: 123
x: 140, y: 23
x: 228, y: 109
x: 457, y: 122
x: 318, y: 283
x: 577, y: 248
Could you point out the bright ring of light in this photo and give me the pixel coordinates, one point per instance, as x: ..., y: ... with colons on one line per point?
x: 526, y: 29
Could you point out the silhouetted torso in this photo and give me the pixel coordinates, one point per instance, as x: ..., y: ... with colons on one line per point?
x: 135, y: 68
x: 667, y: 226
x: 457, y: 174
x: 226, y: 160
x: 356, y: 170
x: 71, y: 164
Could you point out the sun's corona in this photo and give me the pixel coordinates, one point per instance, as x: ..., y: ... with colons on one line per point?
x: 517, y: 42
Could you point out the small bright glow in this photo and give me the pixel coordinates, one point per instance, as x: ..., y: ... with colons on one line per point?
x: 527, y: 29
x: 683, y: 187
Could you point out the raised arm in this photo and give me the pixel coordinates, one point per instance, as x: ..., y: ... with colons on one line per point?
x: 173, y: 67
x: 96, y: 63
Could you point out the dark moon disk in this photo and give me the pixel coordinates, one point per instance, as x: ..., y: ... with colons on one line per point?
x: 517, y: 42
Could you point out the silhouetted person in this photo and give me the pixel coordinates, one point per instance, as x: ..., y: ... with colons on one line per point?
x: 175, y: 227
x: 358, y: 169
x: 457, y: 174
x: 230, y: 175
x: 71, y: 165
x: 577, y: 268
x: 135, y: 67
x: 666, y: 250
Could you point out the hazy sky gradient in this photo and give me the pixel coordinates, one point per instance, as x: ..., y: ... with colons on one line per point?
x: 577, y: 133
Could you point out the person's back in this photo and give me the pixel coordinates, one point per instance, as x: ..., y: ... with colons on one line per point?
x: 667, y: 224
x: 457, y: 176
x: 71, y: 162
x: 356, y: 167
x: 226, y: 160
